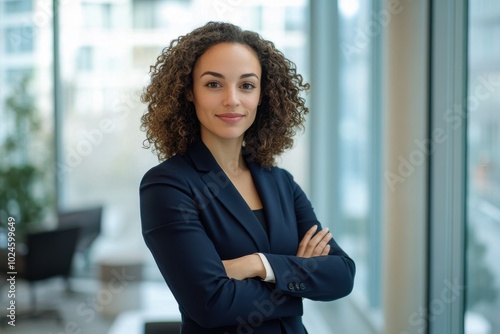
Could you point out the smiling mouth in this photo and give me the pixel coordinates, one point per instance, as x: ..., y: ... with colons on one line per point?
x: 230, y: 117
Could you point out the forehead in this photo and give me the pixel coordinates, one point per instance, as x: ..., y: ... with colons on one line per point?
x: 226, y: 58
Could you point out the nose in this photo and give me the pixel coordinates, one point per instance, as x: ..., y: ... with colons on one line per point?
x: 231, y: 98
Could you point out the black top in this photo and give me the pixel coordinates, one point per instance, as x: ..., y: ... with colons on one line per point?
x: 261, y: 216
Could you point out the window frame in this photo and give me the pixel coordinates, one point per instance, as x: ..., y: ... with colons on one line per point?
x: 447, y: 183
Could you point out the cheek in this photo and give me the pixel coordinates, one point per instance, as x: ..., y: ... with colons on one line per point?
x: 252, y: 102
x: 203, y: 104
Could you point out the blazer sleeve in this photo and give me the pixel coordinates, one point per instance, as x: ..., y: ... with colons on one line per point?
x: 322, y: 278
x: 190, y: 263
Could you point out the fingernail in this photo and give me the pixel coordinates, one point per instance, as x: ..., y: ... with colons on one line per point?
x: 326, y: 229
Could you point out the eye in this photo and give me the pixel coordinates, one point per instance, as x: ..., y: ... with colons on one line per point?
x: 213, y: 84
x: 248, y: 85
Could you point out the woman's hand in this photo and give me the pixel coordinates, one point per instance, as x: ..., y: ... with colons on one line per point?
x: 314, y: 245
x: 249, y: 266
x: 245, y: 267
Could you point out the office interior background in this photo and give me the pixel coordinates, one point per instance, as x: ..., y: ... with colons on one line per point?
x: 400, y: 156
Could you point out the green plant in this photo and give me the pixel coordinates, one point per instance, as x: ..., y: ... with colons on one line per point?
x: 25, y: 193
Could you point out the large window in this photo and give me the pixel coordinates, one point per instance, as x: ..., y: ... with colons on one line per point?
x: 105, y: 58
x: 106, y: 48
x: 483, y: 199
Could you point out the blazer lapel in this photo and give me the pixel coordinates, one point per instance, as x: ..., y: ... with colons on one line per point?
x: 269, y: 195
x: 220, y: 187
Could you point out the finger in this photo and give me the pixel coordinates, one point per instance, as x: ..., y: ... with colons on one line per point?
x: 326, y: 250
x: 313, y: 243
x: 322, y: 244
x: 320, y: 235
x: 319, y: 242
x: 305, y: 240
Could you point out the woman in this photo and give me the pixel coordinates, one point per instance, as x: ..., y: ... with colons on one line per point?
x: 235, y: 237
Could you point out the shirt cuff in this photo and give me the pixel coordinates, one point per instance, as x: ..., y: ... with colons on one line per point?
x: 269, y: 270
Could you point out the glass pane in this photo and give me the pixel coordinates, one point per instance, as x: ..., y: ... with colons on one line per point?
x: 355, y: 131
x: 103, y: 159
x: 18, y: 39
x: 16, y: 6
x: 483, y: 229
x: 27, y: 183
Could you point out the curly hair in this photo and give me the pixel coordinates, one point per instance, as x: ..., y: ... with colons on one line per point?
x: 170, y: 121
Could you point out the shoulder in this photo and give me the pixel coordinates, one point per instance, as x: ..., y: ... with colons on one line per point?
x: 275, y: 171
x: 280, y: 175
x: 175, y: 168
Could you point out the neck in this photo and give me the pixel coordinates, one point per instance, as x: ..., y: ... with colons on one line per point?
x: 227, y: 153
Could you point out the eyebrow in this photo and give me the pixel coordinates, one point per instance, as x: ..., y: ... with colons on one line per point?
x: 218, y: 75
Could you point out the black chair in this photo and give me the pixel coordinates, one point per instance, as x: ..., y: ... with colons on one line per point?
x: 89, y: 222
x: 162, y: 327
x: 49, y: 255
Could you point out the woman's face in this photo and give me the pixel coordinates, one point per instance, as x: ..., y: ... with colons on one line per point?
x: 226, y: 91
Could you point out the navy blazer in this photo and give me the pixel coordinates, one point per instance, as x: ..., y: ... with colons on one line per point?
x: 193, y: 218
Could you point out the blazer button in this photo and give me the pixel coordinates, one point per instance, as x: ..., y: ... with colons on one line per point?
x: 291, y: 286
x: 297, y: 286
x: 302, y: 286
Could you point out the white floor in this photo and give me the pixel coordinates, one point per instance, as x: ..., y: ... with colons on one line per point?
x: 157, y: 304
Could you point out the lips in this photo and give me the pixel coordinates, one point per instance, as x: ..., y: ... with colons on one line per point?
x: 230, y: 117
